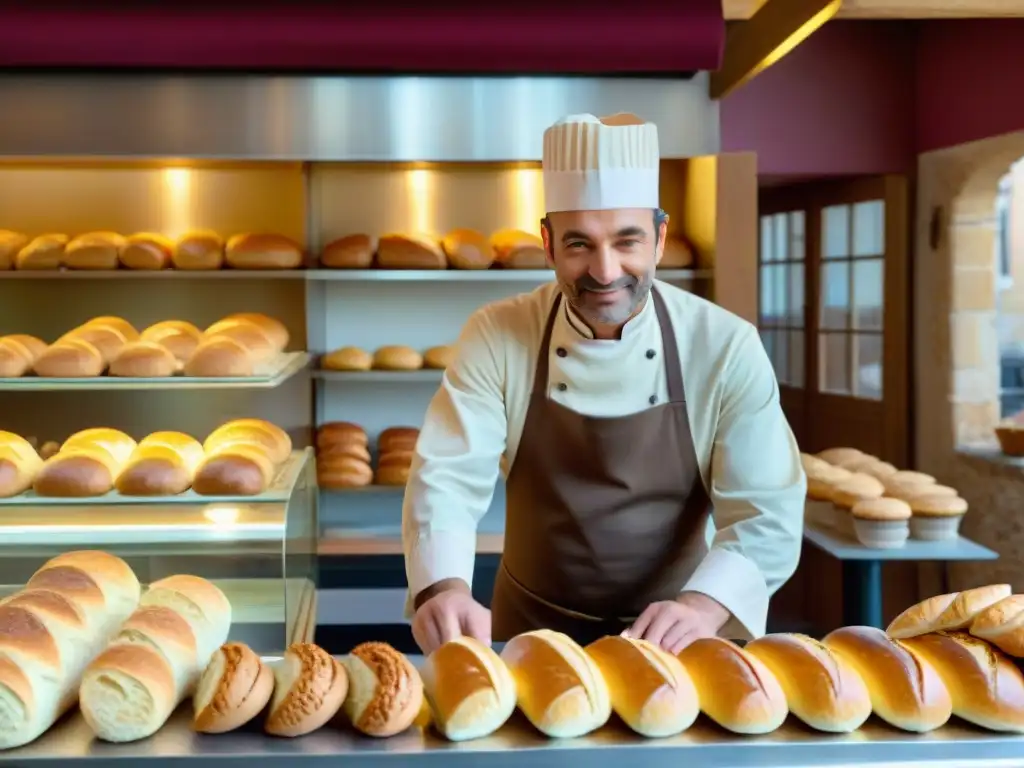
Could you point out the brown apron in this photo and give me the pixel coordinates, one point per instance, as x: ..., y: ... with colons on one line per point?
x: 604, y: 516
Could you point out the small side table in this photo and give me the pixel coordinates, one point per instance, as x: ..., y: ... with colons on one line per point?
x: 862, y: 567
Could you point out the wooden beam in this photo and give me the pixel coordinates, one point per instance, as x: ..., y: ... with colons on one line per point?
x: 774, y: 30
x: 741, y: 10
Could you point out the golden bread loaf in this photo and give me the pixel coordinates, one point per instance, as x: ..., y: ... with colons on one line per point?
x: 144, y: 359
x: 119, y: 324
x: 94, y: 250
x: 146, y: 251
x: 559, y: 687
x: 949, y: 612
x: 70, y: 359
x: 650, y: 689
x: 10, y: 244
x: 397, y: 358
x: 19, y: 464
x: 16, y: 357
x: 199, y: 250
x: 385, y: 692
x: 180, y: 338
x: 345, y: 450
x: 221, y: 357
x: 107, y: 339
x: 30, y: 344
x: 439, y: 358
x: 736, y: 689
x: 275, y: 331
x: 986, y: 687
x: 678, y: 254
x: 343, y: 471
x: 347, y: 359
x: 336, y: 433
x: 470, y: 690
x: 87, y: 464
x: 247, y: 333
x: 233, y: 690
x: 506, y: 243
x: 349, y: 252
x: 1002, y: 624
x: 269, y: 437
x: 309, y: 689
x: 822, y: 689
x: 410, y: 252
x: 262, y: 251
x: 45, y: 252
x: 234, y: 469
x: 467, y: 249
x: 163, y: 464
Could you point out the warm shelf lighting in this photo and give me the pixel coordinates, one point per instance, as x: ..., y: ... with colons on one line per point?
x: 527, y: 196
x: 176, y: 202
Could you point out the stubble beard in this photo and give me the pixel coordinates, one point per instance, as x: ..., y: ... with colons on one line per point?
x: 636, y: 289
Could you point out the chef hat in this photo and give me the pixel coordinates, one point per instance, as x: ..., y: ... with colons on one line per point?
x: 600, y: 163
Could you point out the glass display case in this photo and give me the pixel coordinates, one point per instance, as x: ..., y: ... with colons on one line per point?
x: 260, y: 550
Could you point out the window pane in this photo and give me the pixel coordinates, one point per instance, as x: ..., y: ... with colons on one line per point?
x: 773, y: 294
x: 869, y: 366
x: 796, y: 358
x: 795, y: 314
x: 781, y: 227
x: 834, y: 363
x: 796, y: 235
x: 835, y: 295
x: 765, y: 286
x: 869, y: 228
x: 835, y: 232
x: 868, y: 294
x: 780, y: 361
x: 766, y: 238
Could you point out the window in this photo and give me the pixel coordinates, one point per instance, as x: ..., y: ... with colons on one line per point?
x: 1003, y: 253
x: 782, y: 303
x: 851, y: 297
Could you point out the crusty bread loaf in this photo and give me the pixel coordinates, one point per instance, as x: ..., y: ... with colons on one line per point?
x: 31, y: 345
x: 43, y: 252
x: 410, y: 252
x: 10, y: 244
x: 16, y: 359
x: 335, y: 433
x: 270, y: 437
x: 119, y: 324
x: 507, y: 242
x: 949, y: 612
x: 247, y: 333
x: 822, y: 689
x: 179, y: 337
x: 559, y: 688
x: 396, y: 357
x: 233, y: 690
x: 439, y: 358
x: 50, y: 631
x: 240, y: 469
x: 349, y: 252
x: 144, y: 359
x: 70, y: 358
x: 650, y: 689
x: 163, y: 464
x: 906, y: 691
x: 220, y: 357
x: 199, y: 250
x: 470, y: 690
x: 155, y: 661
x: 347, y: 359
x: 1002, y: 624
x: 146, y: 251
x: 735, y: 688
x: 986, y: 687
x: 272, y: 328
x: 467, y: 249
x: 19, y: 464
x: 385, y: 692
x: 88, y: 464
x: 309, y: 688
x: 108, y: 340
x: 94, y: 250
x: 262, y: 251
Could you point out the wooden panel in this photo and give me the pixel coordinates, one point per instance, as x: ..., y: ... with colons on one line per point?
x: 736, y: 10
x: 735, y: 252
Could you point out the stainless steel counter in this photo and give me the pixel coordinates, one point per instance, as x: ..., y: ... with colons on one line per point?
x: 518, y: 744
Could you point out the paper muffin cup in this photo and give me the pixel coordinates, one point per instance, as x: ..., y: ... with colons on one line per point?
x: 842, y: 520
x: 881, y: 534
x: 818, y: 513
x: 935, y: 528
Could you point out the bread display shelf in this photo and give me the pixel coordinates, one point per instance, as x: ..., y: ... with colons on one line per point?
x: 274, y: 374
x: 160, y: 274
x: 380, y: 377
x: 517, y: 743
x: 473, y: 275
x: 844, y: 547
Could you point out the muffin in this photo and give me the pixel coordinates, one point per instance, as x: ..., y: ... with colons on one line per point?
x: 813, y: 463
x: 878, y: 469
x: 908, y: 477
x: 910, y: 491
x: 881, y: 523
x: 840, y: 456
x: 936, y: 517
x: 847, y: 493
x: 821, y: 478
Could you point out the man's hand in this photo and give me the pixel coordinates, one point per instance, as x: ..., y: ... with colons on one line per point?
x: 674, y: 624
x: 448, y: 614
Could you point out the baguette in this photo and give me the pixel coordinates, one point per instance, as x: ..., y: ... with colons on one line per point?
x: 1002, y: 624
x: 50, y: 631
x: 946, y: 612
x: 19, y: 464
x: 163, y: 464
x: 155, y: 661
x: 87, y: 464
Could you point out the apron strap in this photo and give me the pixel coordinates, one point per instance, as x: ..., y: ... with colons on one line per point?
x: 673, y: 366
x: 540, y: 378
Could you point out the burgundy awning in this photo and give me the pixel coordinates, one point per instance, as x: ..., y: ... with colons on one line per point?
x: 602, y: 38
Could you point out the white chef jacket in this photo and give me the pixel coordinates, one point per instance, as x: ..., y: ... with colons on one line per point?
x: 749, y: 460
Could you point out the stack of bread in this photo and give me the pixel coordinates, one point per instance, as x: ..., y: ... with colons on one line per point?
x: 199, y: 250
x: 342, y: 456
x: 396, y: 447
x: 880, y: 505
x: 389, y: 358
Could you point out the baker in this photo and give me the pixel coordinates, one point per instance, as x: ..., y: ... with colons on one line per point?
x: 653, y: 485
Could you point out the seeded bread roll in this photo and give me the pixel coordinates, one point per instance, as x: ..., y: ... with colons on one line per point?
x: 385, y: 690
x: 233, y: 690
x: 309, y: 689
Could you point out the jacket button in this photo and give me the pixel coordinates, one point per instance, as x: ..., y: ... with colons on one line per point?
x: 650, y: 354
x: 562, y: 386
x: 652, y: 399
x: 561, y: 352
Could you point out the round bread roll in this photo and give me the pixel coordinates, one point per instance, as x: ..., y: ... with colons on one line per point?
x: 397, y: 358
x: 48, y: 449
x: 107, y: 339
x: 94, y: 250
x: 144, y: 359
x: 527, y: 257
x: 146, y: 251
x: 269, y: 437
x: 385, y: 690
x: 347, y: 359
x: 343, y: 472
x: 946, y: 612
x: 115, y: 442
x: 309, y: 688
x: 15, y: 358
x: 736, y: 689
x: 467, y: 249
x: 247, y: 333
x: 822, y: 689
x: 70, y: 359
x: 177, y: 336
x: 163, y: 464
x: 470, y: 690
x: 77, y: 473
x: 559, y: 687
x: 839, y: 456
x: 234, y: 469
x: 348, y: 450
x: 273, y: 328
x: 340, y: 433
x: 439, y: 358
x: 235, y: 687
x: 119, y: 324
x: 397, y: 439
x: 221, y: 357
x: 19, y: 464
x: 650, y: 689
x: 349, y: 252
x: 200, y: 250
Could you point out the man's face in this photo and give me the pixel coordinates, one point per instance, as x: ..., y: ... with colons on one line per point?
x: 604, y: 260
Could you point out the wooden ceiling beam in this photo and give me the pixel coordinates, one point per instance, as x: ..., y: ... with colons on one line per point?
x: 741, y: 10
